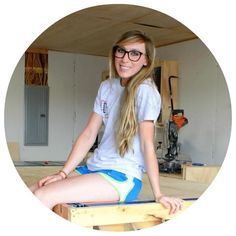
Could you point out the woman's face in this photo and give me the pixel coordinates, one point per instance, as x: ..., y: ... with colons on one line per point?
x: 129, y: 59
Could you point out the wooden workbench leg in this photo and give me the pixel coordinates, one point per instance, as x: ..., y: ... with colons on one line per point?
x: 116, y: 227
x: 147, y: 224
x: 62, y: 211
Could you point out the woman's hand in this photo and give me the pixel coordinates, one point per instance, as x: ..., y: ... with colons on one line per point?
x: 50, y: 179
x: 172, y: 203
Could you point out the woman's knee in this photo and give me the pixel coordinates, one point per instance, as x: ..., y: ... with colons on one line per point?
x: 40, y: 194
x: 44, y: 197
x: 33, y: 187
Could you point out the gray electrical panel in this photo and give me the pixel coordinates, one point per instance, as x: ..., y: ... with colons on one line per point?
x: 36, y: 115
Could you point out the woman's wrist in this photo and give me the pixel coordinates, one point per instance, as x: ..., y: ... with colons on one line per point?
x: 158, y: 197
x: 63, y: 174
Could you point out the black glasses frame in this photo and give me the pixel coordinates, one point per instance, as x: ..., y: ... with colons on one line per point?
x: 127, y: 52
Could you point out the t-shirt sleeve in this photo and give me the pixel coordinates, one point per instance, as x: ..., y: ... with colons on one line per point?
x: 148, y: 103
x: 98, y: 102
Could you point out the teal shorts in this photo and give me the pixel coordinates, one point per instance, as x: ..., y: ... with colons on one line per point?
x: 128, y: 187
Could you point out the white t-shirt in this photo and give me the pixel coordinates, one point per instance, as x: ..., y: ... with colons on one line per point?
x: 107, y: 104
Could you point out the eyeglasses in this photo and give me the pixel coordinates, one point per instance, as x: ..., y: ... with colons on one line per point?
x: 133, y: 55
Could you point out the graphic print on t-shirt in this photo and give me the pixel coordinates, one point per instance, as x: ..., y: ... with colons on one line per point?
x: 104, y: 108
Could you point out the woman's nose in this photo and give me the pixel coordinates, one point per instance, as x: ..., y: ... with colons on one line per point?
x: 125, y: 57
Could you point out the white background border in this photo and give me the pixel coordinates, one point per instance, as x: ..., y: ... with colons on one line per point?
x: 22, y: 21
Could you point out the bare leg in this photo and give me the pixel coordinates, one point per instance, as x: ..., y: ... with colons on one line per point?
x: 77, y: 188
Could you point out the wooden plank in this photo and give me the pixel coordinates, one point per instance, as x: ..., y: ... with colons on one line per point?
x: 117, y: 214
x: 115, y: 227
x: 143, y: 225
x: 62, y: 210
x: 201, y: 174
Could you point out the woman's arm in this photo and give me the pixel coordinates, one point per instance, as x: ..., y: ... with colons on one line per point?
x: 146, y: 131
x: 81, y: 147
x: 83, y: 143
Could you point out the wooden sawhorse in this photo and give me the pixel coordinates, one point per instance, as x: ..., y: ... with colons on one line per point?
x: 117, y: 217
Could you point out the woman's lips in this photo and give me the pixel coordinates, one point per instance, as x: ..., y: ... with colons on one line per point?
x: 125, y: 68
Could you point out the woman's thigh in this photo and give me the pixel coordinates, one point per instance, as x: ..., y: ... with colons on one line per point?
x: 89, y: 188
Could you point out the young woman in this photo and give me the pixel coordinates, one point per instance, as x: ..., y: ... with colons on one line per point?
x: 128, y: 105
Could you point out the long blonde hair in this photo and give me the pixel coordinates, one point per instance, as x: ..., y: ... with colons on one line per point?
x: 127, y: 123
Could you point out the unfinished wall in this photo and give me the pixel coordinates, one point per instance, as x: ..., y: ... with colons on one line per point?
x: 73, y: 87
x: 89, y: 75
x: 204, y: 96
